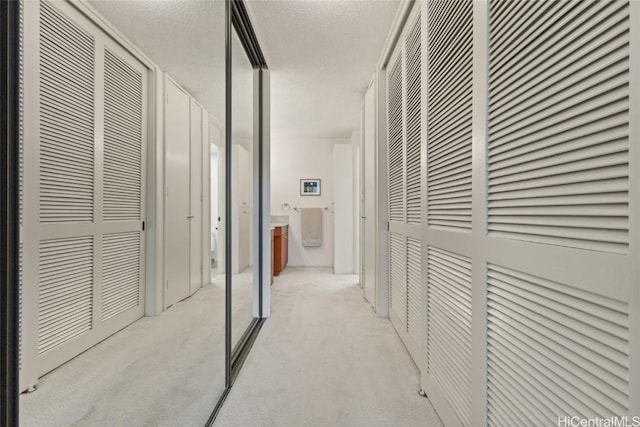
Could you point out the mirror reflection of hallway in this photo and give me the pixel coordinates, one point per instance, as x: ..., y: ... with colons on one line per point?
x: 120, y: 322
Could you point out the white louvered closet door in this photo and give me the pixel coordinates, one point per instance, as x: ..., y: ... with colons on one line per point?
x: 86, y: 113
x: 561, y: 264
x: 405, y: 187
x: 449, y: 54
x: 530, y: 261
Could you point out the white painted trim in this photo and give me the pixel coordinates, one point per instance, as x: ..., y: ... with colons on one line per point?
x: 216, y: 122
x: 266, y: 192
x: 28, y: 234
x: 205, y: 197
x: 397, y: 26
x: 477, y: 239
x: 424, y: 247
x: 93, y: 15
x: 381, y: 203
x: 154, y: 291
x: 634, y: 208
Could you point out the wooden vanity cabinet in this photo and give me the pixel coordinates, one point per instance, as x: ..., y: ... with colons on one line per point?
x: 273, y: 249
x: 281, y: 248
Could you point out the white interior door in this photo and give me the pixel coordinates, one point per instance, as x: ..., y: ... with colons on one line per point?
x: 369, y: 198
x: 177, y: 203
x: 195, y: 199
x: 241, y: 208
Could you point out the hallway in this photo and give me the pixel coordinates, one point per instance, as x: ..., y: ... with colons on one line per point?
x: 324, y: 359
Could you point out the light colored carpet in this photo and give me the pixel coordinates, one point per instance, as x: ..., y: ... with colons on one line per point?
x: 241, y: 301
x: 324, y: 359
x: 166, y: 370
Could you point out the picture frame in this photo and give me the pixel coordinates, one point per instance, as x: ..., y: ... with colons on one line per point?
x: 310, y: 187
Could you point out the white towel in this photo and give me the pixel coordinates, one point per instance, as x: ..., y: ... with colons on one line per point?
x: 311, y: 225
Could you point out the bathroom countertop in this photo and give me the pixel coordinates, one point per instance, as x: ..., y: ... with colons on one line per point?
x: 279, y: 220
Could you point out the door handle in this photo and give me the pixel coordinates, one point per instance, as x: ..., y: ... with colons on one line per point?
x: 363, y: 217
x: 190, y: 217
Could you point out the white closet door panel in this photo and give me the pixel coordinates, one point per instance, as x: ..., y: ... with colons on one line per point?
x: 398, y: 276
x: 558, y: 174
x: 559, y: 124
x: 396, y: 142
x: 414, y: 124
x: 449, y: 329
x: 449, y: 103
x: 66, y: 119
x: 415, y: 318
x: 123, y: 188
x: 562, y: 347
x: 404, y: 156
x: 123, y: 140
x: 65, y: 307
x: 121, y: 271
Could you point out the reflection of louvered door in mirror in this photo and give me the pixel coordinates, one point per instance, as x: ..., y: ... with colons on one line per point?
x: 83, y: 240
x: 405, y: 186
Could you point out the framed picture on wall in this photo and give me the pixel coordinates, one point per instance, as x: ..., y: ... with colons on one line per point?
x: 309, y: 187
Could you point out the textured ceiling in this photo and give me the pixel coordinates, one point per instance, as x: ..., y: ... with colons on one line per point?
x: 184, y: 37
x: 322, y: 55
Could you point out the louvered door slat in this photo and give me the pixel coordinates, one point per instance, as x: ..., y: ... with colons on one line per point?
x: 558, y: 125
x: 120, y: 273
x: 414, y: 131
x: 415, y: 322
x: 66, y: 119
x: 569, y: 41
x: 398, y: 275
x: 449, y: 115
x: 449, y: 328
x: 396, y: 142
x: 123, y: 140
x: 65, y: 292
x: 571, y: 344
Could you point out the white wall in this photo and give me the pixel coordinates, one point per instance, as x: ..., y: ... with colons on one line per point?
x: 344, y: 237
x: 293, y: 159
x: 356, y: 138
